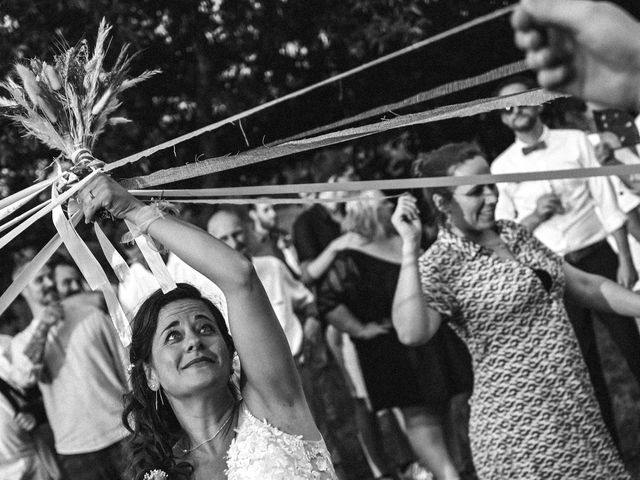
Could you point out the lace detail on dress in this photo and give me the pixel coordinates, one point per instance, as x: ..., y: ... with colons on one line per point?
x: 260, y: 451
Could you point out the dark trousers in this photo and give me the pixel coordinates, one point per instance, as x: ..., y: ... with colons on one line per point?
x: 602, y: 260
x: 106, y: 464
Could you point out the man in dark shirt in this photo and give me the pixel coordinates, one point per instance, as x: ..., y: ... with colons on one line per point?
x: 313, y: 232
x: 317, y: 234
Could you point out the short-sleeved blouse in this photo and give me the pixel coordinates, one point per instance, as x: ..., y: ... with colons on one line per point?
x: 533, y: 411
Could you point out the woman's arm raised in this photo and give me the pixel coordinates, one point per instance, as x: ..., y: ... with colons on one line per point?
x: 271, y: 385
x: 414, y: 321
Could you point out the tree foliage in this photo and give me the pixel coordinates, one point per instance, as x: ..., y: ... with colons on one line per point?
x: 220, y: 57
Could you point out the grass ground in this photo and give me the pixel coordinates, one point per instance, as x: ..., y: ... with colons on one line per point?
x: 625, y: 395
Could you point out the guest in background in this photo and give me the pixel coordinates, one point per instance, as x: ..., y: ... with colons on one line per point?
x: 80, y: 369
x: 68, y: 280
x: 66, y: 276
x: 573, y: 113
x: 316, y: 232
x: 572, y: 217
x: 25, y: 453
x: 356, y: 296
x: 272, y: 240
x: 317, y: 238
x: 292, y: 302
x: 533, y: 409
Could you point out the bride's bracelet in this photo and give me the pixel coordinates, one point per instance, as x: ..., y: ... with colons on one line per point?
x: 145, y: 217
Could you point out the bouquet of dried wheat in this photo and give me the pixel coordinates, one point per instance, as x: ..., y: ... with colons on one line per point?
x: 67, y: 105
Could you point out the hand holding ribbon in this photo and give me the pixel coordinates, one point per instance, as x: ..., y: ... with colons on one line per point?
x: 104, y: 192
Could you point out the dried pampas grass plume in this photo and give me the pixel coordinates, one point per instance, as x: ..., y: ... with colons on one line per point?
x: 67, y: 104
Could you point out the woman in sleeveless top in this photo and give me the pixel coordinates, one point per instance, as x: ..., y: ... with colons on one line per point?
x: 355, y: 296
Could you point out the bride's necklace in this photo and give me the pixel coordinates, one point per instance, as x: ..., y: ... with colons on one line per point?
x: 189, y: 450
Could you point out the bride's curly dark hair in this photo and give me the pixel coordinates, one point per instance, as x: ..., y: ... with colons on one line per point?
x: 156, y: 431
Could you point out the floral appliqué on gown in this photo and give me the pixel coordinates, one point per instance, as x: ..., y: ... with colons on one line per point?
x: 261, y: 451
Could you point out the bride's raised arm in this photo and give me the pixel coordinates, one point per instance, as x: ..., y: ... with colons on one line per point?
x: 270, y: 384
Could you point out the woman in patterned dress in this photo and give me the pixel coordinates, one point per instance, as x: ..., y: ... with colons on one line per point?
x: 533, y: 411
x: 183, y: 412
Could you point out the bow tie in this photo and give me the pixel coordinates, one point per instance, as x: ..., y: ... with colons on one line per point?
x: 541, y: 145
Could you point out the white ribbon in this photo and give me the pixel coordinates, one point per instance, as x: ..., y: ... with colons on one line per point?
x: 55, y: 202
x: 281, y: 201
x: 8, y: 210
x: 37, y: 187
x: 153, y: 258
x: 118, y: 264
x: 32, y: 269
x: 24, y: 215
x: 391, y: 184
x: 91, y: 270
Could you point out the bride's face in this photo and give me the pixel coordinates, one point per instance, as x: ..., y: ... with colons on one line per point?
x: 188, y: 353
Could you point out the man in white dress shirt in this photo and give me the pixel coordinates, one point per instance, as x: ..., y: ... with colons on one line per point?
x: 572, y: 217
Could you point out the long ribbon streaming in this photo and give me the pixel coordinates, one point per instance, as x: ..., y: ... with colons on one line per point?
x: 394, y: 184
x: 402, y: 184
x: 31, y: 270
x: 261, y: 154
x: 91, y: 271
x: 118, y: 264
x: 23, y: 216
x: 153, y: 258
x: 36, y: 187
x: 416, y: 46
x: 14, y: 207
x: 280, y: 201
x: 437, y: 92
x: 41, y: 213
x: 87, y: 264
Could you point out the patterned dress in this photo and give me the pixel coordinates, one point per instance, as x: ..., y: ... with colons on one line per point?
x: 533, y: 411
